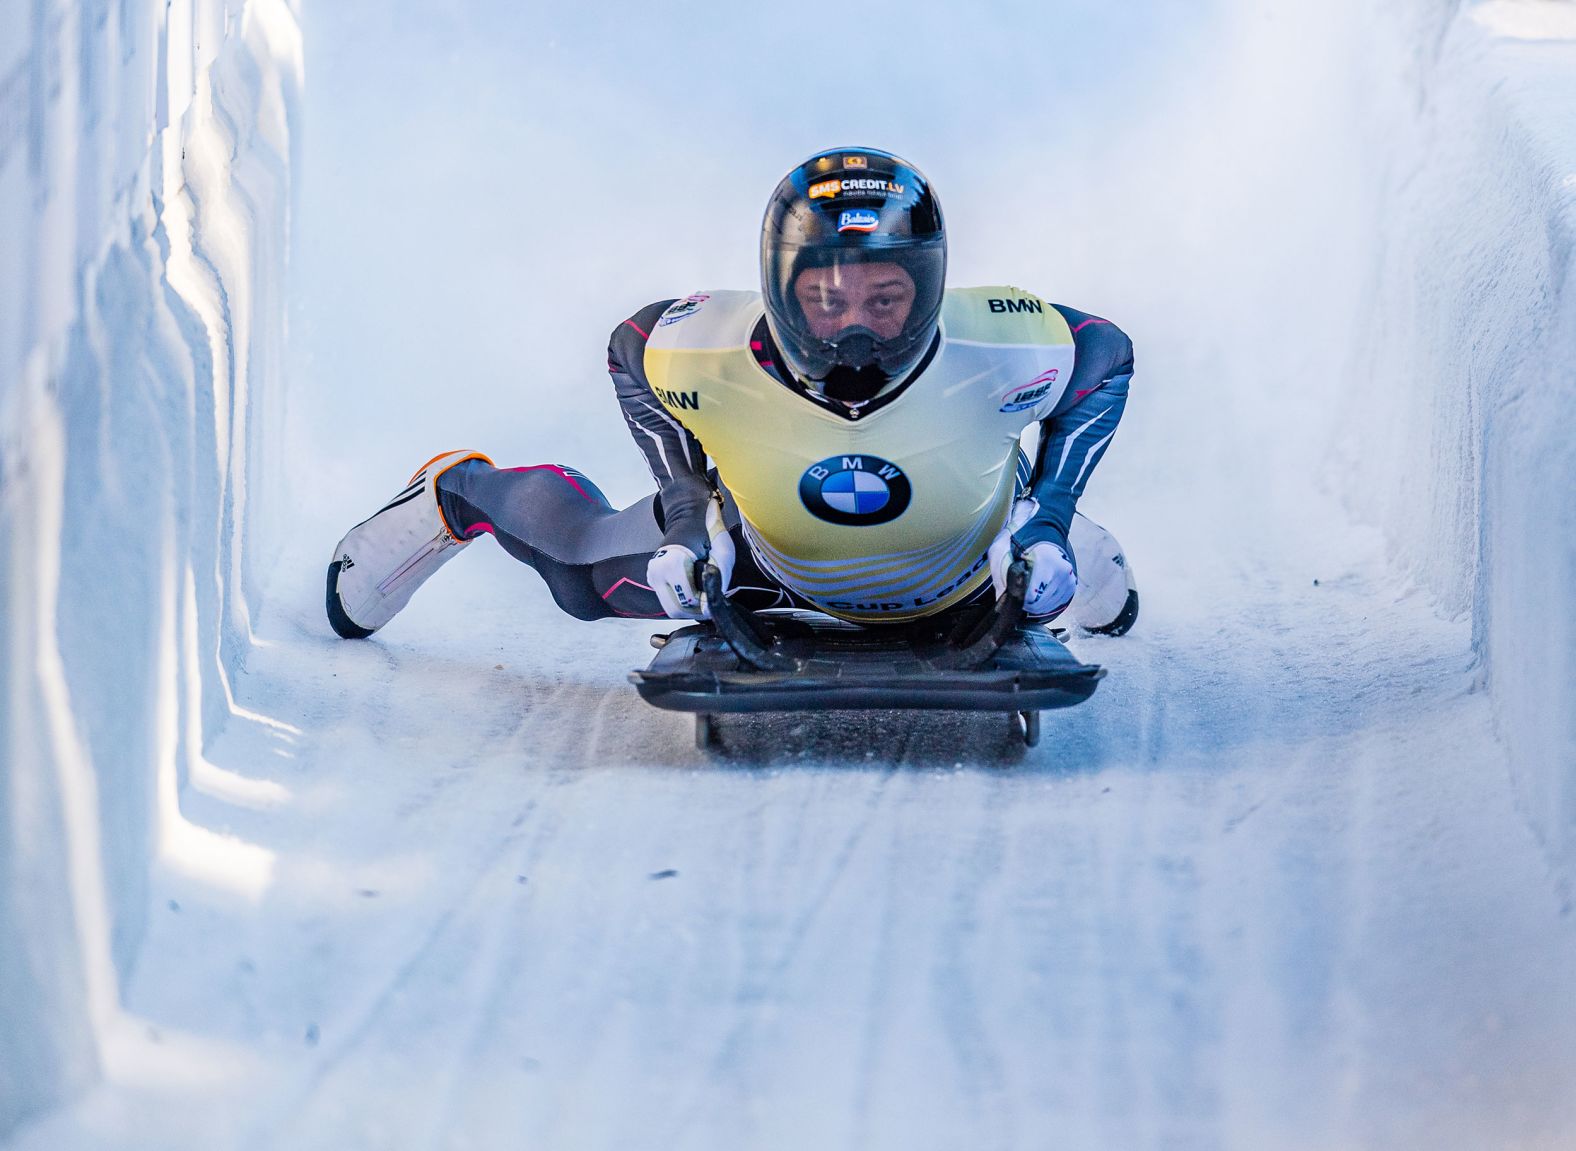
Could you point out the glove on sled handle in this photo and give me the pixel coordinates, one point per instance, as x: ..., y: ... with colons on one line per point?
x: 735, y: 627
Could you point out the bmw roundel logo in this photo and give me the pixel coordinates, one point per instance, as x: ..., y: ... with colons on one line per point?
x: 859, y: 491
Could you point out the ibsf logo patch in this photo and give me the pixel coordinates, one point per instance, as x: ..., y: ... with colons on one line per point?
x: 858, y: 491
x: 1025, y: 396
x: 677, y: 310
x: 858, y: 220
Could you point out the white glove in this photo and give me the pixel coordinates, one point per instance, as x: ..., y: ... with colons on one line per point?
x: 1052, y: 581
x: 671, y: 570
x: 671, y: 574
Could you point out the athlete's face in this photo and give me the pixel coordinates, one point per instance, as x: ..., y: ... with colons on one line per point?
x: 874, y: 296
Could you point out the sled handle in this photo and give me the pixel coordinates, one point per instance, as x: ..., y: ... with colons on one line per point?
x: 735, y: 627
x: 978, y: 644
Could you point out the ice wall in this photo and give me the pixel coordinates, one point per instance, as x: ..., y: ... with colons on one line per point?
x: 1461, y: 437
x: 144, y: 196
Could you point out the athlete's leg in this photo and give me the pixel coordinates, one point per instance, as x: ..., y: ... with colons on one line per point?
x: 1107, y: 597
x: 592, y: 556
x: 553, y: 518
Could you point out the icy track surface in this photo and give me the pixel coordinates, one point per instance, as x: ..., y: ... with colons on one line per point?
x: 457, y: 887
x: 1266, y: 890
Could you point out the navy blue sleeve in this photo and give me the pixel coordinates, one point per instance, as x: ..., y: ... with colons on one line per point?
x: 675, y: 456
x: 1074, y: 437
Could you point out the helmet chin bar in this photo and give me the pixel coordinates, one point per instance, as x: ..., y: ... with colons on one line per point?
x: 855, y: 373
x: 854, y: 347
x: 850, y: 385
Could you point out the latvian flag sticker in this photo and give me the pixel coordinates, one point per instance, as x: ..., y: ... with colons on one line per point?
x: 858, y: 220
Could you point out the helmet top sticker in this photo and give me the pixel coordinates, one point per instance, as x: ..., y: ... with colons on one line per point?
x: 858, y: 220
x: 856, y: 186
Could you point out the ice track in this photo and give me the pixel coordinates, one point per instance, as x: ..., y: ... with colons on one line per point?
x: 1268, y: 889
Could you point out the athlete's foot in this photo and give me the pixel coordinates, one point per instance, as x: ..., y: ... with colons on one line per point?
x: 1107, y: 599
x: 1124, y: 620
x: 381, y: 561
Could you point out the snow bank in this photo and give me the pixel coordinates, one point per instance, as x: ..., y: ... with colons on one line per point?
x: 1462, y: 435
x: 144, y: 193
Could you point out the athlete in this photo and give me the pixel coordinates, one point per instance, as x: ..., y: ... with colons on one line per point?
x: 866, y: 430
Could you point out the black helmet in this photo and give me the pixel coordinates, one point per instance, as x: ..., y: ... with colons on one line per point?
x: 852, y: 206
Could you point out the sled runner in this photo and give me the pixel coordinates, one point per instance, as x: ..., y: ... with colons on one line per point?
x: 741, y: 661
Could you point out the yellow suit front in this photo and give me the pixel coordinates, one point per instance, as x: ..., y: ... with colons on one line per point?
x: 887, y: 516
